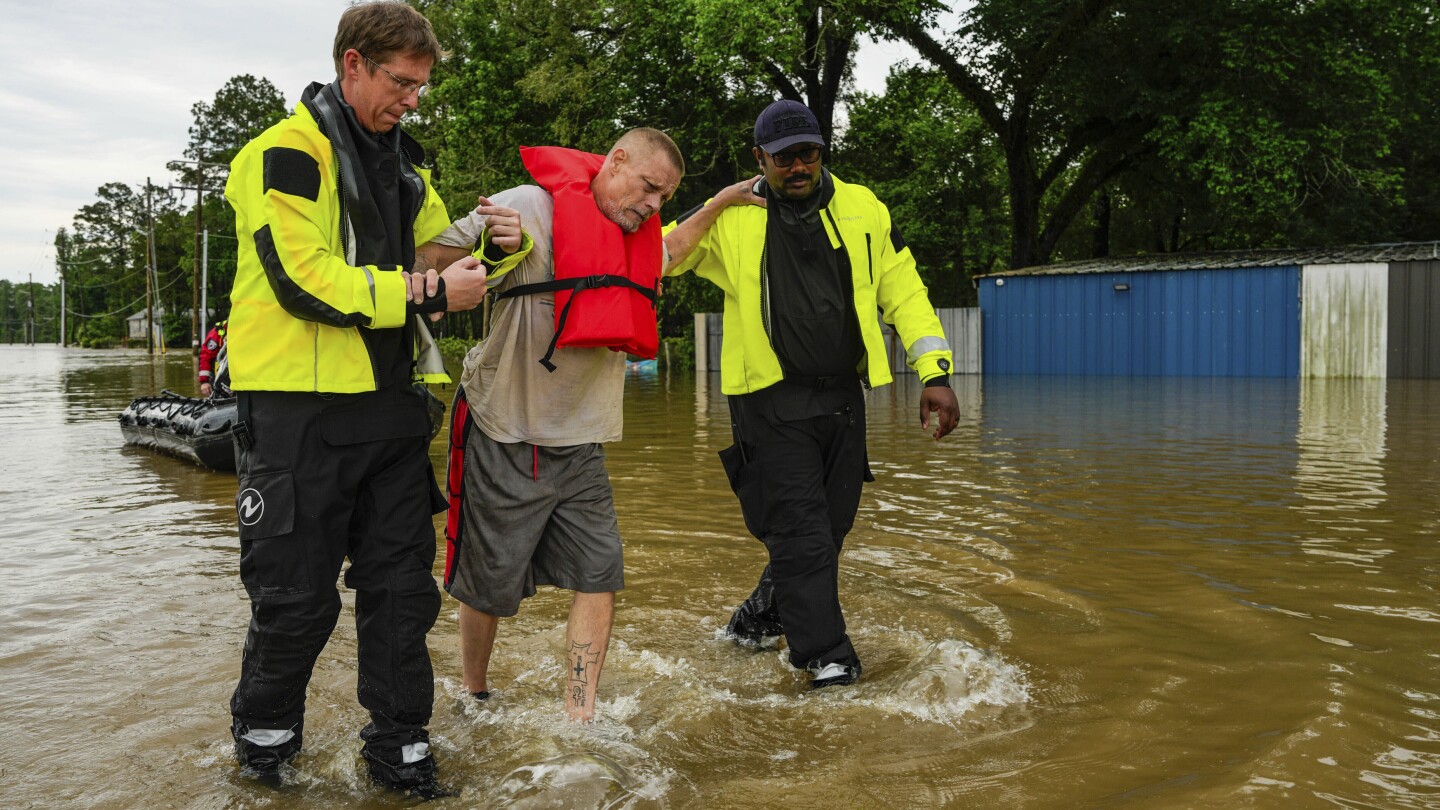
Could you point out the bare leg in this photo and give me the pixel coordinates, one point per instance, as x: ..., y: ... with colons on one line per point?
x: 587, y: 637
x: 477, y: 639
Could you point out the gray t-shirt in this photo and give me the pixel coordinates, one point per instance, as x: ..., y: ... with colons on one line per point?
x: 512, y: 397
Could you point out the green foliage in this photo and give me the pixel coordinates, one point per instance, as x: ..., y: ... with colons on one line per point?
x: 243, y: 108
x: 454, y: 347
x: 680, y: 351
x: 29, y: 313
x: 1028, y: 130
x: 683, y: 297
x: 1235, y: 122
x: 1292, y: 150
x: 103, y: 258
x: 929, y: 158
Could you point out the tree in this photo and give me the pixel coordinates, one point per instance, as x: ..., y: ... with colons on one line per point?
x: 577, y: 73
x: 1285, y: 151
x: 1235, y: 97
x: 107, y: 270
x: 243, y: 108
x: 926, y: 154
x: 1020, y: 64
x: 802, y: 50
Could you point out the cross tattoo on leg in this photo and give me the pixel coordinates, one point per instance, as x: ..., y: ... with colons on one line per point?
x: 584, y: 659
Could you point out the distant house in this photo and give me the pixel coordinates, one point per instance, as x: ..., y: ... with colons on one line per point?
x: 1364, y: 311
x: 135, y: 324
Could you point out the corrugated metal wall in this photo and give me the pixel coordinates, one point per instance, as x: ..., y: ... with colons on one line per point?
x: 1229, y: 323
x: 962, y: 332
x: 1414, y: 331
x: 1343, y: 320
x: 961, y: 325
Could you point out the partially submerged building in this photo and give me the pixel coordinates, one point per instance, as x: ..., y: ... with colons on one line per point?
x: 1364, y: 311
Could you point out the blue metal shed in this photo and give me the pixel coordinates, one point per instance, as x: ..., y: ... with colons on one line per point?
x: 1273, y: 313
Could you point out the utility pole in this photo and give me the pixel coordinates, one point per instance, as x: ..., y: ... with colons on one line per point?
x: 204, y: 283
x: 197, y: 281
x: 195, y: 335
x: 149, y: 268
x: 30, y: 314
x: 62, y: 260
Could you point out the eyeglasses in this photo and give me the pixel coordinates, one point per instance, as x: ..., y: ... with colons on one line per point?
x: 808, y: 156
x: 406, y: 86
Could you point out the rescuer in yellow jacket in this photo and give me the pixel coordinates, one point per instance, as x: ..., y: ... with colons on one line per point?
x: 805, y: 260
x: 326, y: 314
x: 304, y: 290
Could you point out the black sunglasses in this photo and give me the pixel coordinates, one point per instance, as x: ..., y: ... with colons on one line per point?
x: 808, y: 156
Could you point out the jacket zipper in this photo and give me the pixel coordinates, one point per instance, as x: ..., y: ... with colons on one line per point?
x: 344, y: 219
x: 864, y: 365
x: 764, y: 297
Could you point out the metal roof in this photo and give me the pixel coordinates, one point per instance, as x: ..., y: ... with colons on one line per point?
x: 1236, y: 259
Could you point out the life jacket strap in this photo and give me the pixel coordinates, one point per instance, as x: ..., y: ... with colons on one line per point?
x: 576, y: 283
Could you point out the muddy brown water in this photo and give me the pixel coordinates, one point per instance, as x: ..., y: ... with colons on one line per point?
x: 1095, y: 593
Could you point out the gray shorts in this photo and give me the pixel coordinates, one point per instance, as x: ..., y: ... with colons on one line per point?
x: 533, y: 516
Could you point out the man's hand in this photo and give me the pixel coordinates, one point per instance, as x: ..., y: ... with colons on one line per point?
x: 939, y: 399
x: 420, y: 285
x: 681, y: 241
x: 502, y: 225
x: 741, y: 193
x: 205, y: 389
x: 464, y: 285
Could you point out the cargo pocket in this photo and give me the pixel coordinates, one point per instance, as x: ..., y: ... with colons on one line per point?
x: 271, y: 563
x: 744, y: 482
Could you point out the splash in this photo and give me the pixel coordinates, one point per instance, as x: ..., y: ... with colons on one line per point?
x: 950, y: 682
x: 576, y: 780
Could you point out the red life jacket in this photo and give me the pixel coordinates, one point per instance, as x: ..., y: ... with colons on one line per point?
x: 606, y: 281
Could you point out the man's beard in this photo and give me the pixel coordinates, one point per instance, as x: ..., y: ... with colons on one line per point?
x: 624, y: 217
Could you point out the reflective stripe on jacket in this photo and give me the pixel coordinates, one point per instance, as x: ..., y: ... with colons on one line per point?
x: 882, y: 269
x: 298, y: 305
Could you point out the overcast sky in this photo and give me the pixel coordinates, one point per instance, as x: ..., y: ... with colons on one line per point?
x: 99, y: 92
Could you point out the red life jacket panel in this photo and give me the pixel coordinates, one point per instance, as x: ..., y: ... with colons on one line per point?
x: 606, y: 281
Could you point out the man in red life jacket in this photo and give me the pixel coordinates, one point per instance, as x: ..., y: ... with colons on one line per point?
x: 535, y: 506
x: 214, y: 339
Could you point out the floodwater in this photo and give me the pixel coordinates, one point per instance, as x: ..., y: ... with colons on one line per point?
x: 1197, y: 593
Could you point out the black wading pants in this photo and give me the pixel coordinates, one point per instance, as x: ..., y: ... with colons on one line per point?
x: 325, y: 478
x: 797, y: 466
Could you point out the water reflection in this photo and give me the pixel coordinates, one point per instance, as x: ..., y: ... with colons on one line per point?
x: 1096, y: 592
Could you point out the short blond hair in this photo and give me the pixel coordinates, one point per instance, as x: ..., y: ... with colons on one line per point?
x: 642, y: 141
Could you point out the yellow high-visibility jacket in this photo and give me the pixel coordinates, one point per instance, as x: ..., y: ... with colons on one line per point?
x: 882, y: 270
x: 299, y: 304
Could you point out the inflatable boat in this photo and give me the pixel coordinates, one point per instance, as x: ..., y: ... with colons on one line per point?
x: 197, y: 430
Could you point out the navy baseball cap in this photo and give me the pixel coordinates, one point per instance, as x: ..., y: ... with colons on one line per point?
x: 785, y: 123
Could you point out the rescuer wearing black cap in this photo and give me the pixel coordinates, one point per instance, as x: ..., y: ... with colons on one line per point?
x: 804, y: 260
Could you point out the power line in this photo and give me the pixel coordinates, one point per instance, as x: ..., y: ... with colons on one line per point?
x: 131, y: 306
x: 107, y: 283
x: 114, y: 253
